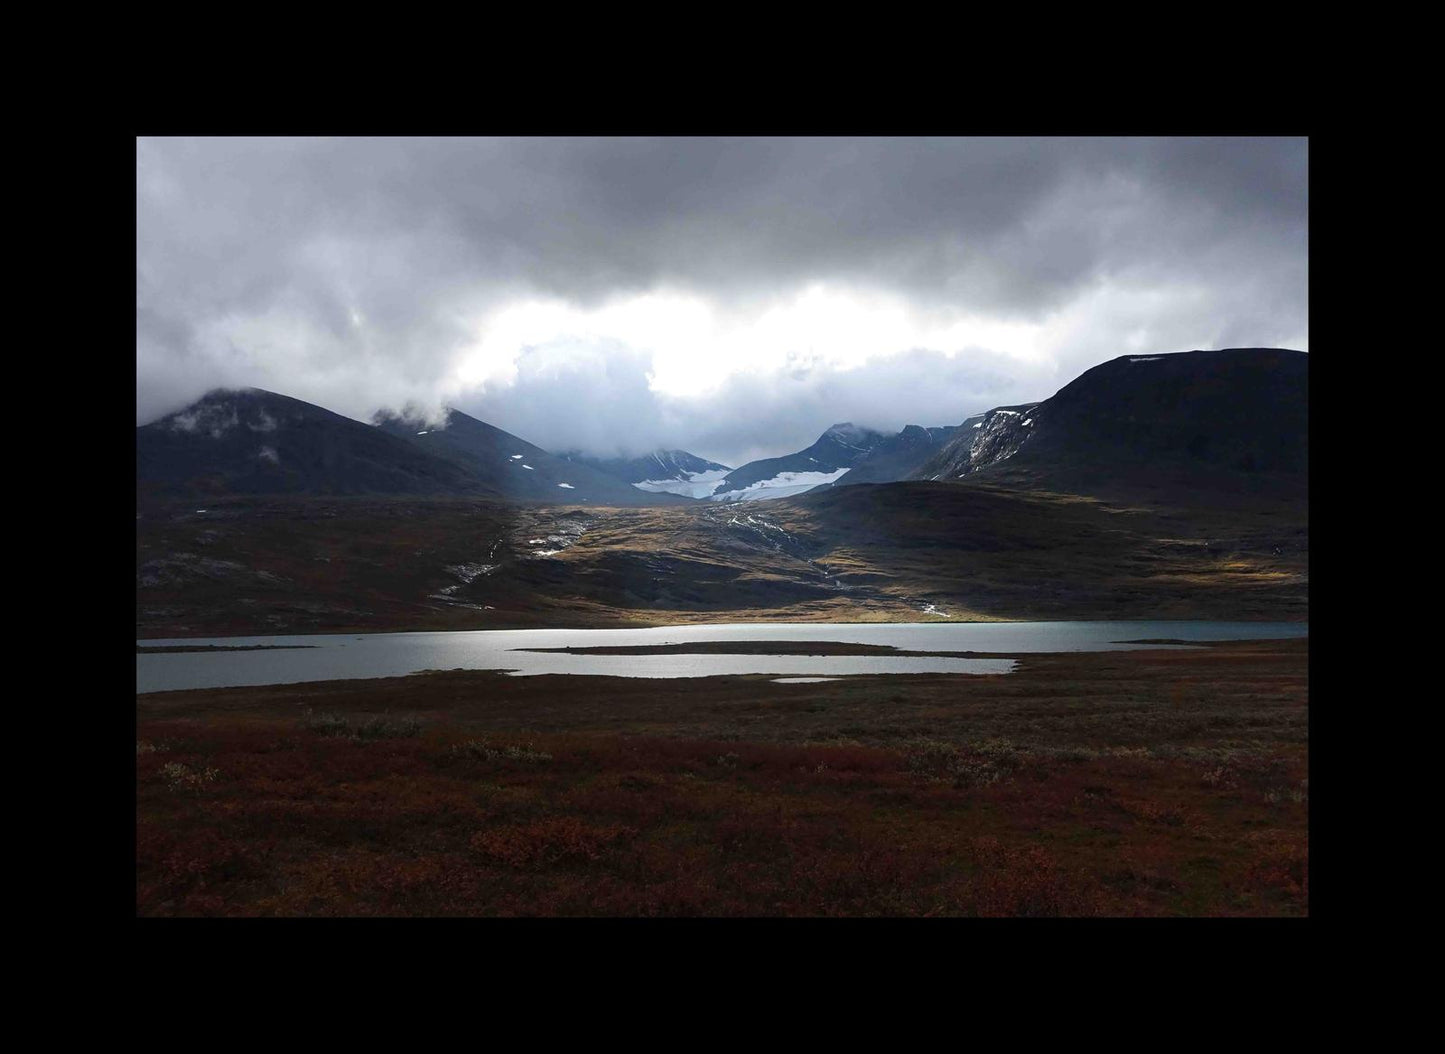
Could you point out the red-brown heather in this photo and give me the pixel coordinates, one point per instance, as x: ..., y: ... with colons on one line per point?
x: 1067, y: 789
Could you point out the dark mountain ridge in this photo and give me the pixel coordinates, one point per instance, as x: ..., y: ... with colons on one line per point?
x: 251, y: 441
x: 1234, y: 419
x: 1215, y: 415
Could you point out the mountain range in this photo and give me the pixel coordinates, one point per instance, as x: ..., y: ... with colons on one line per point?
x: 502, y: 465
x: 252, y: 441
x: 1161, y: 486
x: 1212, y: 413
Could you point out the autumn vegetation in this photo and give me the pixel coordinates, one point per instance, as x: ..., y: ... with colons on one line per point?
x: 1117, y: 784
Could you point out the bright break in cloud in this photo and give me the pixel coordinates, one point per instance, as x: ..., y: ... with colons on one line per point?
x: 732, y: 297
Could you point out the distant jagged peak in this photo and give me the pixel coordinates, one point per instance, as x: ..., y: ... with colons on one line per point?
x: 687, y: 461
x: 671, y: 460
x: 848, y: 434
x: 924, y: 434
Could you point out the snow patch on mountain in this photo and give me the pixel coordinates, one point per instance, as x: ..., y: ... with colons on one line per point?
x: 690, y: 485
x: 783, y: 485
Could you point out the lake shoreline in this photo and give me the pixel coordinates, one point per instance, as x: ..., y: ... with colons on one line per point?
x: 703, y: 619
x: 701, y: 651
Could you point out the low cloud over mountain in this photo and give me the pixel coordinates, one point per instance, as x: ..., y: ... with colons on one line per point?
x: 730, y: 297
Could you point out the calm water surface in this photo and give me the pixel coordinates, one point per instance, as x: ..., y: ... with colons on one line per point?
x: 348, y: 657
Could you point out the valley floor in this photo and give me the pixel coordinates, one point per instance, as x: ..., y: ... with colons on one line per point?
x: 906, y: 552
x: 1113, y: 784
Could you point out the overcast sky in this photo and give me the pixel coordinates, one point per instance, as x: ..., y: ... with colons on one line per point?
x: 732, y: 297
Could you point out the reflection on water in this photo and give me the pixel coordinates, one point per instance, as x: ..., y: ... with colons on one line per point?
x: 337, y: 657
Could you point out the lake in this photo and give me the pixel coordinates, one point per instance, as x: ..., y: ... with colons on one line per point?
x: 327, y: 657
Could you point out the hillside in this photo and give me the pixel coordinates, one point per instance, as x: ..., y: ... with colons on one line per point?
x: 252, y: 441
x: 511, y: 467
x: 1212, y: 420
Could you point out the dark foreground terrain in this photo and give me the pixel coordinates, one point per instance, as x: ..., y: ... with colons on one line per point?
x: 1124, y: 783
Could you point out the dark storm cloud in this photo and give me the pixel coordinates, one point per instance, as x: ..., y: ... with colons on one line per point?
x: 354, y: 272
